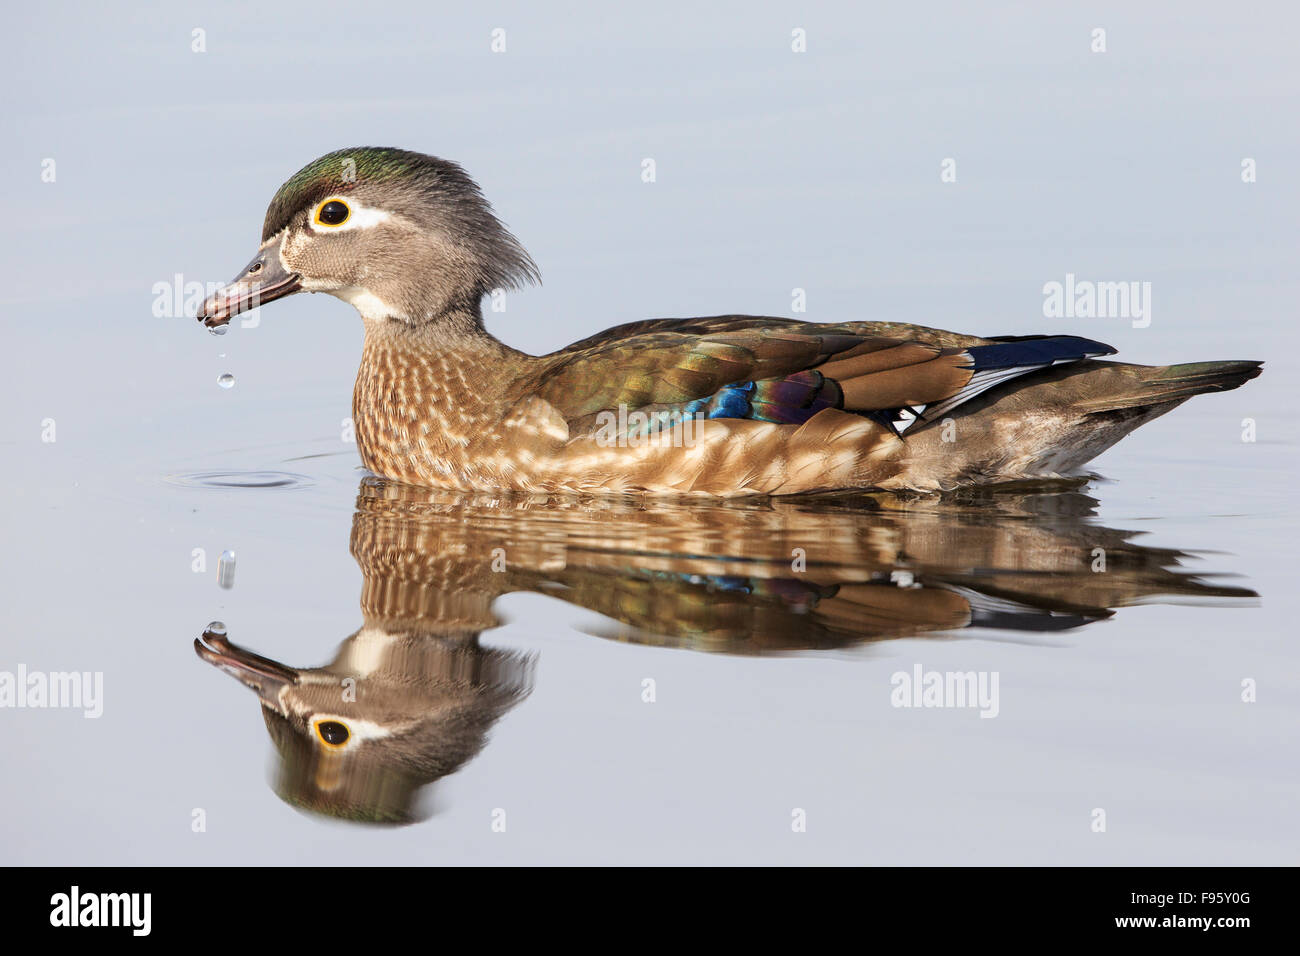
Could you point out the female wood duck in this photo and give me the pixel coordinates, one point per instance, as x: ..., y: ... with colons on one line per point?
x: 724, y: 406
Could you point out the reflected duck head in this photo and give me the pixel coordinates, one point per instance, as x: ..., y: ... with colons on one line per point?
x: 361, y: 737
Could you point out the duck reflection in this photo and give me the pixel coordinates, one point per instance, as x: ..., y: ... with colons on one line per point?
x: 411, y: 696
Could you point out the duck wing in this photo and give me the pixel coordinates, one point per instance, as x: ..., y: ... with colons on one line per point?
x: 784, y: 371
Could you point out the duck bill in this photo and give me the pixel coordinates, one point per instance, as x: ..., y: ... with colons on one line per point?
x: 265, y: 676
x: 263, y: 280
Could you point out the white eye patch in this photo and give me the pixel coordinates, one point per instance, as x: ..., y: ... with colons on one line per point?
x: 359, y: 730
x: 340, y: 213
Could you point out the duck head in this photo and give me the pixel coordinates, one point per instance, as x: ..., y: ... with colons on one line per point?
x: 397, y: 709
x: 398, y: 234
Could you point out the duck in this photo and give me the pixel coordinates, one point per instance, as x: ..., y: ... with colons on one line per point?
x: 719, y: 407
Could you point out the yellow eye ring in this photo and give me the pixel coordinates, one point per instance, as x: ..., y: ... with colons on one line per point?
x: 333, y: 212
x: 333, y: 734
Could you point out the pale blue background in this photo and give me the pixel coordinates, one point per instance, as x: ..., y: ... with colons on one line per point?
x: 775, y: 171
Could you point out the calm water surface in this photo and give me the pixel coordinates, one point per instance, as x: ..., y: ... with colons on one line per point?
x: 631, y: 680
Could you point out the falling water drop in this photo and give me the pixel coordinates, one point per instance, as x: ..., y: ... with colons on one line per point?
x: 219, y: 329
x: 217, y: 628
x: 226, y: 380
x: 226, y: 570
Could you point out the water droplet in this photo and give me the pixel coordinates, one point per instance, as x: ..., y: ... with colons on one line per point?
x: 226, y: 570
x: 217, y: 628
x: 219, y: 329
x: 226, y: 380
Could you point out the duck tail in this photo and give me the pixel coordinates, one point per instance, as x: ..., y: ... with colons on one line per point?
x: 1161, y: 384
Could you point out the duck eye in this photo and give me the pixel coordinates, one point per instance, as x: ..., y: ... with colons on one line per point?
x: 332, y: 733
x: 333, y: 213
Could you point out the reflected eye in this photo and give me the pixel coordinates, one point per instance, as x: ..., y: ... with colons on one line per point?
x: 332, y: 733
x: 333, y: 213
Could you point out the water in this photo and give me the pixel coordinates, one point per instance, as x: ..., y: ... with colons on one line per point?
x: 241, y: 479
x: 652, y: 682
x: 226, y: 570
x: 226, y: 380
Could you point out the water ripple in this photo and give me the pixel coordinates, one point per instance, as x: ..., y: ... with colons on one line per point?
x: 240, y: 479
